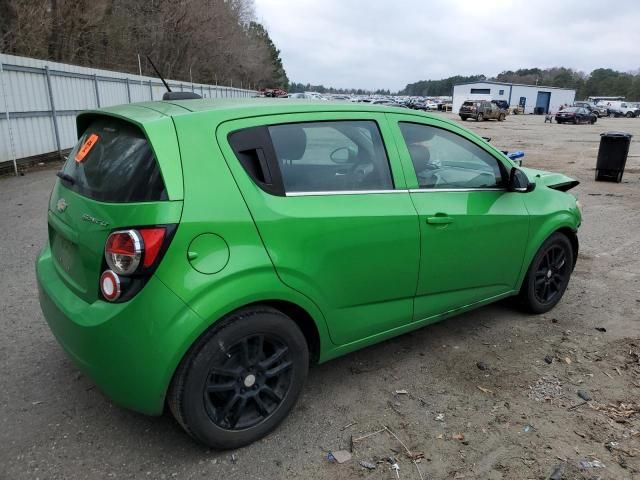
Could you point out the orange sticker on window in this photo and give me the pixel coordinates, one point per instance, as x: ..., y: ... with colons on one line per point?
x: 86, y: 147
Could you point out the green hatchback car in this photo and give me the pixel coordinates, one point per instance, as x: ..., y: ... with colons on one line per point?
x: 202, y: 254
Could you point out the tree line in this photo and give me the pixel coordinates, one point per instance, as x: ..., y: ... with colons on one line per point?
x: 301, y: 87
x: 204, y: 41
x: 600, y: 82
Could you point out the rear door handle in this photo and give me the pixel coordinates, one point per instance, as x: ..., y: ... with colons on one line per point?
x: 439, y: 220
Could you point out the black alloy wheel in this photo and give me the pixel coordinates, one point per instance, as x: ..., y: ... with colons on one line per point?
x: 548, y: 275
x: 247, y: 385
x: 241, y: 378
x: 551, y: 274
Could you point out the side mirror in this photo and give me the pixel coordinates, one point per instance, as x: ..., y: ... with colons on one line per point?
x: 519, y: 182
x: 341, y: 155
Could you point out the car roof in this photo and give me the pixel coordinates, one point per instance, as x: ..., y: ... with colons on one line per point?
x: 227, y: 108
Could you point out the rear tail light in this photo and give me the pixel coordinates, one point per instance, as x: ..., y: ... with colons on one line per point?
x: 123, y: 251
x: 152, y: 238
x: 131, y: 256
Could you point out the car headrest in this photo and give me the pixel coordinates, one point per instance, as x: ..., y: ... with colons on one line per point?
x: 414, y: 133
x: 420, y: 156
x: 289, y: 141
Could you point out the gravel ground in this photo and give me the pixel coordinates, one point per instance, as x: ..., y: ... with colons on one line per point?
x: 482, y: 400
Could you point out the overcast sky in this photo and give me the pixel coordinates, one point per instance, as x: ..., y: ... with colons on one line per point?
x: 389, y: 43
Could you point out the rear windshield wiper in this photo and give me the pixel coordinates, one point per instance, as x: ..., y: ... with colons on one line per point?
x: 66, y: 177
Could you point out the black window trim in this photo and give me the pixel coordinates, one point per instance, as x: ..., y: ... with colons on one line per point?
x: 501, y: 166
x: 278, y: 188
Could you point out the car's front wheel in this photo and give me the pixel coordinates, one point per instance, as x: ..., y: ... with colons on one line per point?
x: 241, y: 378
x: 480, y: 117
x: 548, y: 275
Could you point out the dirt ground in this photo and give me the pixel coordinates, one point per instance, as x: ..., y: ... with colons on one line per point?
x: 481, y: 401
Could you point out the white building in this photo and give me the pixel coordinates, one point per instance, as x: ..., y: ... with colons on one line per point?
x: 549, y: 99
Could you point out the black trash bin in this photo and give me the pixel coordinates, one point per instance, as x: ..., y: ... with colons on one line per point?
x: 612, y: 155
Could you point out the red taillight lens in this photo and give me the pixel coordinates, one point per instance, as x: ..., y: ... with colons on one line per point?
x: 110, y: 285
x: 123, y: 251
x: 153, y: 240
x: 126, y: 248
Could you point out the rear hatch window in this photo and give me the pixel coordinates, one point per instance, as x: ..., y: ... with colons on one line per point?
x: 114, y: 162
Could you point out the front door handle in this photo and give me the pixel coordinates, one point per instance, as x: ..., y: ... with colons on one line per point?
x: 439, y: 220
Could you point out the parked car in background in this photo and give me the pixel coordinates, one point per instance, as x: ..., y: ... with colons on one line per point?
x: 598, y: 111
x: 481, y: 110
x: 576, y: 115
x: 623, y: 109
x: 217, y: 312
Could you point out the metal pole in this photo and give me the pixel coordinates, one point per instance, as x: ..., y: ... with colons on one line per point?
x: 95, y: 84
x: 6, y: 112
x: 53, y: 110
x: 128, y: 89
x: 140, y: 69
x: 151, y: 90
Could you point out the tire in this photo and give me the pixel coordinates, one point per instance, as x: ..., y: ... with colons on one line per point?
x: 501, y: 117
x: 260, y: 375
x: 479, y: 118
x: 596, y: 113
x: 548, y: 275
x: 619, y: 176
x: 629, y: 115
x: 594, y: 120
x: 575, y: 121
x: 463, y: 117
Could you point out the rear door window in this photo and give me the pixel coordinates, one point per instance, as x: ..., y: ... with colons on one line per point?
x: 326, y: 156
x: 114, y: 162
x: 331, y: 156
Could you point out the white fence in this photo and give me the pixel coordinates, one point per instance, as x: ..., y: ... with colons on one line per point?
x: 39, y: 101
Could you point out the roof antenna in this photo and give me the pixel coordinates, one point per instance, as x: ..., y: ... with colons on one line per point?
x: 169, y: 94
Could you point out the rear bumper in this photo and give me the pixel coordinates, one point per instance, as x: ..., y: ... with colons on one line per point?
x: 129, y: 349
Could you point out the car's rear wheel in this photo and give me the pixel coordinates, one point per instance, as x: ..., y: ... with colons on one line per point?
x: 480, y: 117
x: 548, y: 275
x: 501, y: 117
x: 629, y: 114
x: 241, y: 378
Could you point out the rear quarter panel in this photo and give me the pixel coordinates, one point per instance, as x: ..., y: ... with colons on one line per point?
x: 213, y: 204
